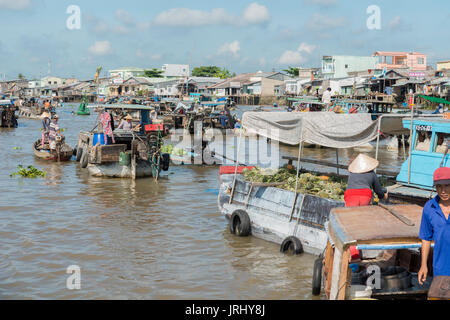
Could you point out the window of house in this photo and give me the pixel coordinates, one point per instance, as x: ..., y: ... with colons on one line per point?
x: 423, y: 141
x: 441, y: 143
x: 390, y: 60
x: 346, y: 66
x: 420, y: 60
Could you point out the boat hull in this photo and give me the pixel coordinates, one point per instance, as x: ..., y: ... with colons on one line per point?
x: 115, y: 170
x: 65, y: 154
x: 271, y: 216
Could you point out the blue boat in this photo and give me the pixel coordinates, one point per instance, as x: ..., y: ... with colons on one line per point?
x: 430, y: 138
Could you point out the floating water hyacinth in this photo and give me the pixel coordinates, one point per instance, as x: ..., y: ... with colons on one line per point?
x: 29, y: 172
x: 17, y: 148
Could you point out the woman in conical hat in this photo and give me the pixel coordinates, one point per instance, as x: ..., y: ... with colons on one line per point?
x: 361, y: 181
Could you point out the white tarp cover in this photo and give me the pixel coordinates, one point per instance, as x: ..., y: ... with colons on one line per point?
x: 322, y: 128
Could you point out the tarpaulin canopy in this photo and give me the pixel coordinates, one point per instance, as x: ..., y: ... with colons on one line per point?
x: 322, y: 128
x: 434, y: 99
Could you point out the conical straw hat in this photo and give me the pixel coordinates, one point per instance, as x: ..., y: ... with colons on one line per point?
x: 363, y: 164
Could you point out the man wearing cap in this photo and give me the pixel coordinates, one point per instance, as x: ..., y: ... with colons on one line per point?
x: 361, y: 180
x: 435, y: 227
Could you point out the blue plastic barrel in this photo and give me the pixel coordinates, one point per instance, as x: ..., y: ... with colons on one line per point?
x: 100, y: 138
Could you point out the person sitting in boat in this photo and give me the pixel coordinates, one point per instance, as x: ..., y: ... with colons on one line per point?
x: 361, y: 180
x: 423, y: 142
x: 45, y: 128
x: 223, y: 119
x: 54, y: 132
x: 127, y: 125
x: 441, y: 143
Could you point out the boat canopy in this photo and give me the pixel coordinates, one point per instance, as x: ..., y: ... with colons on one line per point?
x: 5, y: 102
x: 373, y: 225
x: 434, y: 99
x: 322, y: 128
x: 121, y: 106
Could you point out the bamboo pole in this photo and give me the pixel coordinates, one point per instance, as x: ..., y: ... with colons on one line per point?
x: 411, y: 141
x: 236, y: 167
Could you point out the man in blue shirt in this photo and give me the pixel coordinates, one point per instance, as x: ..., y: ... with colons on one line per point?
x: 436, y: 227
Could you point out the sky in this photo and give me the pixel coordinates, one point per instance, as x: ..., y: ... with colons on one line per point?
x: 242, y: 36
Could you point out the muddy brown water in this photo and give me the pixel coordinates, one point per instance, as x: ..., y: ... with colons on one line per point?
x: 132, y: 240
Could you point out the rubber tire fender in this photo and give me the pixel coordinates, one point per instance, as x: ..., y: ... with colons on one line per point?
x: 79, y: 153
x: 84, y: 159
x: 240, y: 223
x: 317, y: 276
x: 291, y: 243
x: 165, y: 163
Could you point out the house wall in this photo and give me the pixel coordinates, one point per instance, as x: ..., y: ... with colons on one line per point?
x: 396, y: 60
x: 176, y: 70
x: 445, y: 65
x: 268, y: 86
x: 340, y: 66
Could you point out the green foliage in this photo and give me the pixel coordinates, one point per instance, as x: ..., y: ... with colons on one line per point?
x: 329, y: 187
x: 30, y: 172
x: 154, y: 73
x: 293, y: 72
x: 174, y: 151
x: 21, y: 76
x: 211, y: 71
x: 17, y: 148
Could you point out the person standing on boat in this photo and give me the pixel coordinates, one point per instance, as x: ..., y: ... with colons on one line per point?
x: 107, y: 126
x: 45, y: 128
x: 361, y: 180
x: 127, y: 125
x: 435, y: 226
x: 53, y: 132
x: 326, y: 97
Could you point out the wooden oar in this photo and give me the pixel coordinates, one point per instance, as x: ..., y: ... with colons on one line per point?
x: 403, y: 219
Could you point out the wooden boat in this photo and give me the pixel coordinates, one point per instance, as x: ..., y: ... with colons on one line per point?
x: 371, y: 229
x: 276, y: 215
x: 65, y: 153
x: 135, y: 154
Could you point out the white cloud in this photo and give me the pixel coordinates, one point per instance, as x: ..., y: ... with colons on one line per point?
x: 178, y: 17
x: 184, y: 17
x: 320, y: 22
x: 256, y: 14
x: 291, y: 57
x: 394, y: 23
x: 232, y: 48
x: 15, y: 4
x: 308, y: 48
x: 101, y: 48
x: 124, y: 16
x: 321, y: 2
x: 296, y: 57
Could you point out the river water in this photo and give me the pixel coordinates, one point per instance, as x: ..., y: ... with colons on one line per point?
x: 133, y: 240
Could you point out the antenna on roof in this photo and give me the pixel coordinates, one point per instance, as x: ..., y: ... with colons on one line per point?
x: 49, y: 67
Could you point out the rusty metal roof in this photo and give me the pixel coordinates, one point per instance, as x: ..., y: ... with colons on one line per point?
x: 374, y: 225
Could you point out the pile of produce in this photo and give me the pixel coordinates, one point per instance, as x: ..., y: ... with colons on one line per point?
x: 174, y: 151
x: 30, y: 172
x: 329, y: 186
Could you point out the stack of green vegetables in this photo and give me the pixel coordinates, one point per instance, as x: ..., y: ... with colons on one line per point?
x: 329, y: 186
x: 30, y: 172
x: 174, y: 151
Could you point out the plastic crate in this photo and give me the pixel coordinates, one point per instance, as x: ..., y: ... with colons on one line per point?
x: 232, y: 169
x: 154, y: 127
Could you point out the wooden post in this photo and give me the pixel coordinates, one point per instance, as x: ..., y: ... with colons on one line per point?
x: 343, y: 276
x: 236, y: 168
x: 337, y: 160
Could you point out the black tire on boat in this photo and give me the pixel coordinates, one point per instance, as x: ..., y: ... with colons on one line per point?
x: 79, y: 152
x: 292, y: 245
x: 317, y: 277
x: 84, y: 159
x: 240, y: 223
